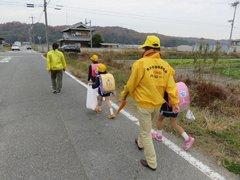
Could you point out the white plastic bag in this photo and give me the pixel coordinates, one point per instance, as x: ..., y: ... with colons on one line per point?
x: 91, y: 101
x: 190, y: 116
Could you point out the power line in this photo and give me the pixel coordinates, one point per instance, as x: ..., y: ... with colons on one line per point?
x: 140, y: 17
x: 48, y: 2
x: 124, y: 15
x: 40, y: 17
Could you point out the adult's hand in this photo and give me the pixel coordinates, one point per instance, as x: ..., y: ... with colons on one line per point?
x: 122, y: 100
x: 123, y: 95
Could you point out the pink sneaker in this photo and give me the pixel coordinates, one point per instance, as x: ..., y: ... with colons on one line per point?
x: 188, y: 144
x: 157, y: 136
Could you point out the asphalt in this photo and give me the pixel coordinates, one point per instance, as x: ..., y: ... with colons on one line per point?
x: 48, y: 136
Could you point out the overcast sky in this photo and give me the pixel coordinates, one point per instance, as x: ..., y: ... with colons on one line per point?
x: 188, y: 18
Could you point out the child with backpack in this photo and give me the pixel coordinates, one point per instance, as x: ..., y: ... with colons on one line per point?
x: 167, y: 111
x: 92, y: 70
x: 106, y: 86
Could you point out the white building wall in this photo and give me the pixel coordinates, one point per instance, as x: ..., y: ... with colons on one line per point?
x: 185, y: 48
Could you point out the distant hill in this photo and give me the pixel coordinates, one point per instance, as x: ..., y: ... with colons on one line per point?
x: 16, y: 31
x: 128, y: 36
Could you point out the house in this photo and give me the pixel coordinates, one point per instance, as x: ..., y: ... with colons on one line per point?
x: 185, y: 48
x: 235, y: 46
x: 109, y: 45
x: 78, y: 34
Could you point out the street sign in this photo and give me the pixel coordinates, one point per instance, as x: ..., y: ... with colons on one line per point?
x: 30, y: 5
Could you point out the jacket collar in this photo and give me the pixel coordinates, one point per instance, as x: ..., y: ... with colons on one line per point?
x: 151, y: 53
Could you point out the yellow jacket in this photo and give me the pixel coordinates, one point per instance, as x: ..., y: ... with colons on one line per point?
x: 55, y: 60
x: 150, y: 78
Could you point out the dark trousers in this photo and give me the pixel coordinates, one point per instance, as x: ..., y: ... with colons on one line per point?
x: 56, y: 76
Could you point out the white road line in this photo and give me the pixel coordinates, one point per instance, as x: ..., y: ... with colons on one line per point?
x: 76, y: 79
x: 171, y: 145
x: 5, y: 60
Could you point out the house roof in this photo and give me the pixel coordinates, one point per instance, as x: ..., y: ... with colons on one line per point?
x: 78, y: 26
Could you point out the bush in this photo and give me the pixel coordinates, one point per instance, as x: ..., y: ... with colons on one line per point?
x: 207, y: 93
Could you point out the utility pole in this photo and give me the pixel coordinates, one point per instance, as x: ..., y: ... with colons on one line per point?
x: 31, y: 5
x: 31, y: 31
x: 46, y: 23
x: 90, y: 25
x: 232, y: 21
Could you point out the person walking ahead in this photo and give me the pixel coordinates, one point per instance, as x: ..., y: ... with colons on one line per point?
x: 56, y: 64
x: 92, y: 69
x: 149, y: 79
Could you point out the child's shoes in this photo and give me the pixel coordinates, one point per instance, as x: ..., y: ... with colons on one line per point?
x: 111, y: 116
x: 98, y: 110
x: 188, y: 144
x: 157, y: 136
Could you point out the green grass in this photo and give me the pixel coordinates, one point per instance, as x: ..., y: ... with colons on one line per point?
x: 229, y: 137
x: 226, y: 67
x: 181, y: 62
x: 232, y: 71
x: 232, y: 166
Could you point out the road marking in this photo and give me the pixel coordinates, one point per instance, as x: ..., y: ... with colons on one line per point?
x: 5, y: 60
x: 171, y: 145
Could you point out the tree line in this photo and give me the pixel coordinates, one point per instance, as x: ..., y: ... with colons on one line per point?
x: 16, y: 31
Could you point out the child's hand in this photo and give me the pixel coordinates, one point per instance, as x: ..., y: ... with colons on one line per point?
x: 176, y: 109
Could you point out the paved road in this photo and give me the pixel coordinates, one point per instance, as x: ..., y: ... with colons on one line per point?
x: 47, y: 136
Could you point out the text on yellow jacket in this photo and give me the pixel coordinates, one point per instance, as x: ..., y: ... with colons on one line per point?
x: 150, y: 78
x: 55, y: 60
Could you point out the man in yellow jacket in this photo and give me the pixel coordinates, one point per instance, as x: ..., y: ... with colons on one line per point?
x: 56, y: 64
x: 149, y: 79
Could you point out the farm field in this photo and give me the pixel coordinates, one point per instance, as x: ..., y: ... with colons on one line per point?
x: 224, y: 67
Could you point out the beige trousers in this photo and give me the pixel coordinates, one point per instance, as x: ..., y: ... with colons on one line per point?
x: 145, y: 139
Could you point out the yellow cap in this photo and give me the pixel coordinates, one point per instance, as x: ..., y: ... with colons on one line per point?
x: 151, y: 41
x: 101, y: 68
x: 94, y: 58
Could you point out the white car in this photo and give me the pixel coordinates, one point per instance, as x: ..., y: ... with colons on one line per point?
x: 15, y: 48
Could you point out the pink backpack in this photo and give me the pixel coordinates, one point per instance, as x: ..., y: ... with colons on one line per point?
x: 183, y: 95
x: 94, y: 70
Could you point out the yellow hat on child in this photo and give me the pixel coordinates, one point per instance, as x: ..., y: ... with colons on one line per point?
x: 94, y: 58
x: 101, y: 68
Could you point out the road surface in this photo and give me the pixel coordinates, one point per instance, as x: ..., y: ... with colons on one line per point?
x: 48, y: 136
